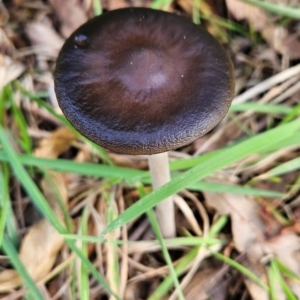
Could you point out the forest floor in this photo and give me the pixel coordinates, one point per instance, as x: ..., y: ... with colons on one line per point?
x: 238, y: 218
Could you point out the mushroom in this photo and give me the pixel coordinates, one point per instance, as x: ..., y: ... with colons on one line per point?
x: 143, y: 81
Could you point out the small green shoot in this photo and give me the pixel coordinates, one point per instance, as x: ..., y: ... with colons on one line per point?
x: 241, y: 269
x: 97, y: 7
x: 161, y: 4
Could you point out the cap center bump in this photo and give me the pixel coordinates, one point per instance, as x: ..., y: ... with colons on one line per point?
x: 144, y: 70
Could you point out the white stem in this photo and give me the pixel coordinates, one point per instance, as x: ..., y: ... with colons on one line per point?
x: 160, y: 174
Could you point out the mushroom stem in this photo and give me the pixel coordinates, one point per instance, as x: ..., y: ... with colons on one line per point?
x: 160, y: 174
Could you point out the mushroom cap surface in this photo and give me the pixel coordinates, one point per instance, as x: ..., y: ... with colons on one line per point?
x: 143, y: 81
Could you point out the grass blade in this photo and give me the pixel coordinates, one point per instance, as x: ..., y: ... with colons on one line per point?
x: 284, y: 168
x: 63, y: 165
x: 99, y: 171
x: 261, y: 108
x: 241, y: 269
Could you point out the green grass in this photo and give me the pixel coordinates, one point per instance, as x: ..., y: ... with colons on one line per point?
x: 161, y: 4
x: 131, y: 176
x: 256, y: 144
x: 167, y: 283
x: 243, y: 270
x: 276, y: 279
x: 41, y: 203
x: 273, y: 109
x: 284, y: 168
x: 97, y: 7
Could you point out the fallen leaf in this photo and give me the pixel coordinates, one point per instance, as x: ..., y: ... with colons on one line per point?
x: 41, y: 33
x: 70, y: 13
x: 277, y: 37
x: 203, y: 281
x: 116, y: 4
x: 129, y: 161
x: 59, y: 142
x: 9, y: 70
x: 282, y: 41
x: 285, y: 247
x: 247, y: 225
x: 139, y: 289
x: 256, y: 17
x: 42, y: 242
x: 251, y: 235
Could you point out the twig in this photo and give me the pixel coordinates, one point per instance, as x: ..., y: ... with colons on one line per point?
x: 267, y: 84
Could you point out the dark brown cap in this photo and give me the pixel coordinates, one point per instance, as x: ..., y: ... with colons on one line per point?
x: 142, y: 81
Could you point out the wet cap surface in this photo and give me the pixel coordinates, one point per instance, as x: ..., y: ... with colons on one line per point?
x: 142, y: 81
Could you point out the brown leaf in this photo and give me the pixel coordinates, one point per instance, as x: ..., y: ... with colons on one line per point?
x: 139, y: 289
x: 9, y: 70
x: 250, y: 236
x: 278, y: 37
x: 41, y: 33
x: 70, y: 13
x: 282, y: 41
x: 256, y: 17
x: 55, y: 191
x: 37, y: 253
x: 202, y: 282
x: 286, y: 247
x: 116, y: 4
x: 59, y: 142
x: 39, y: 249
x: 9, y: 279
x: 40, y: 245
x: 129, y: 161
x: 247, y: 225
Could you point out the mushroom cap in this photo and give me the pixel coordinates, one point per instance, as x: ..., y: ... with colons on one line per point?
x: 143, y: 81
